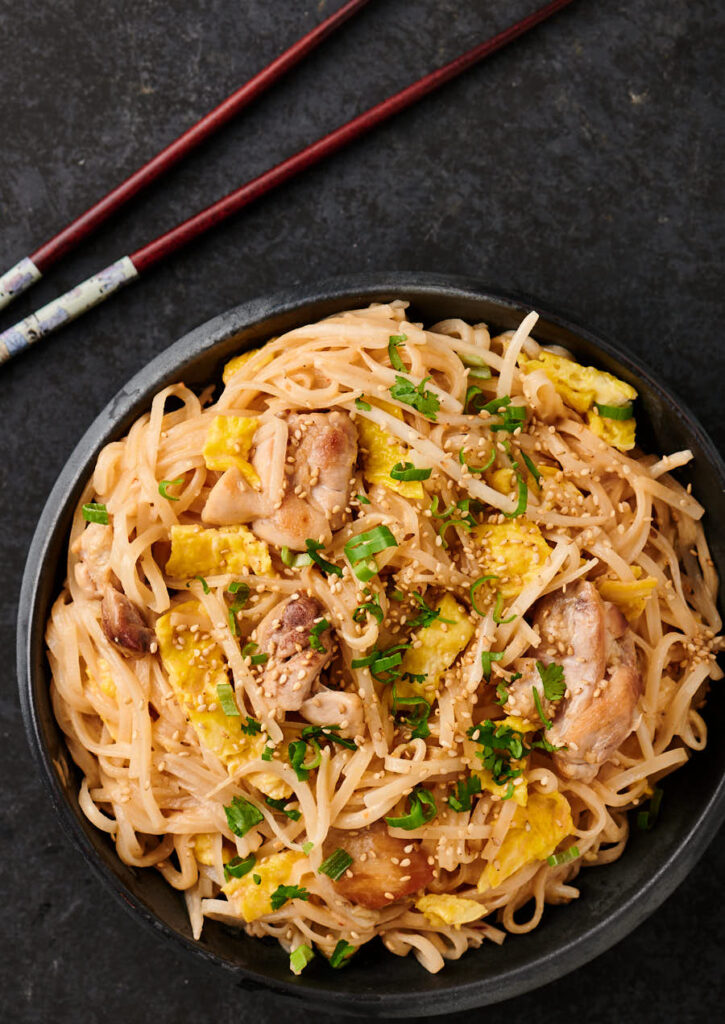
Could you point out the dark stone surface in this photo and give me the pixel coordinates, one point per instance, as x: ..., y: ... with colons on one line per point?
x: 583, y: 166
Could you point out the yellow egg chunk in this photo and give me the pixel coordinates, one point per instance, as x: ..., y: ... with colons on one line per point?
x: 534, y: 834
x: 235, y: 364
x: 452, y: 910
x: 502, y: 480
x: 630, y: 596
x: 557, y: 491
x: 514, y: 551
x: 228, y: 441
x: 195, y: 667
x: 204, y: 849
x: 252, y: 901
x: 383, y: 451
x: 619, y: 433
x: 440, y: 645
x: 213, y: 552
x: 102, y: 680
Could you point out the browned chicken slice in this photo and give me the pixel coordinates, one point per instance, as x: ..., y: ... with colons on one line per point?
x: 293, y: 665
x: 335, y: 707
x: 594, y: 646
x: 123, y: 625
x: 317, y: 490
x: 93, y: 570
x: 597, y: 718
x: 383, y: 870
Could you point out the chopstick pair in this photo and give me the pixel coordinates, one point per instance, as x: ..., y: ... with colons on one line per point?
x: 100, y: 286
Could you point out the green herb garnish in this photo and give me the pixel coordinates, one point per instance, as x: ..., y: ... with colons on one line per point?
x: 498, y: 608
x: 487, y: 657
x: 615, y: 412
x: 299, y: 959
x: 164, y: 484
x: 204, y: 585
x: 465, y: 790
x: 416, y: 721
x: 294, y: 559
x: 280, y: 805
x: 225, y: 693
x: 552, y: 678
x: 364, y: 406
x: 251, y: 727
x: 417, y: 396
x: 313, y: 547
x: 500, y: 745
x: 394, y: 342
x: 407, y: 471
x: 336, y: 864
x: 421, y: 809
x: 238, y: 867
x: 474, y: 587
x: 283, y: 893
x: 342, y: 953
x: 646, y: 819
x: 315, y: 643
x: 564, y: 857
x: 371, y: 607
x: 242, y: 815
x: 427, y: 616
x: 477, y: 469
x: 95, y: 512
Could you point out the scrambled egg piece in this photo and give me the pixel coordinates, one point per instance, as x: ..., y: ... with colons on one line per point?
x: 534, y: 834
x: 582, y: 386
x: 619, y: 433
x: 204, y: 847
x: 514, y: 551
x: 630, y: 596
x: 441, y: 643
x: 102, y: 680
x: 455, y: 910
x: 227, y: 549
x: 228, y: 441
x: 238, y: 362
x: 252, y: 901
x: 502, y: 480
x: 195, y: 666
x: 383, y: 451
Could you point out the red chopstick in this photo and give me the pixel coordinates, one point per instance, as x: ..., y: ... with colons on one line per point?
x: 97, y: 288
x: 29, y: 270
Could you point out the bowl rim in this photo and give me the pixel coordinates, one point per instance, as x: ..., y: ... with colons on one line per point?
x: 345, y: 291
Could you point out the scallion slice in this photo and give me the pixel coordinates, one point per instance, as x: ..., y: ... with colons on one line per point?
x: 95, y: 512
x: 421, y: 809
x: 299, y: 959
x: 531, y: 467
x: 564, y: 857
x: 498, y: 608
x: 238, y: 867
x: 294, y: 559
x: 487, y: 658
x: 615, y: 412
x: 165, y: 484
x: 342, y: 953
x: 336, y: 864
x: 225, y: 693
x: 474, y: 587
x: 313, y: 547
x: 407, y: 471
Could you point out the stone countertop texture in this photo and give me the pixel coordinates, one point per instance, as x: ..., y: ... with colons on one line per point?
x: 582, y: 166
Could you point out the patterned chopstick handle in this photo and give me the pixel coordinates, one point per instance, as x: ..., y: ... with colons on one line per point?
x: 66, y: 307
x: 16, y: 280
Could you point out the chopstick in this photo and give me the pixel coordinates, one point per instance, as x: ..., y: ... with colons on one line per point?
x: 100, y: 286
x: 30, y: 269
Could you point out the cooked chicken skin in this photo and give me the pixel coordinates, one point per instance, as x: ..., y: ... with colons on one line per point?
x: 384, y: 869
x: 123, y: 625
x: 324, y: 448
x: 293, y: 666
x: 594, y: 646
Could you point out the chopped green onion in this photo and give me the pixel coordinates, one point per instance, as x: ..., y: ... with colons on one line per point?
x: 511, y: 418
x: 238, y: 867
x: 371, y: 607
x: 646, y: 819
x: 241, y: 591
x: 342, y: 953
x: 397, y: 595
x: 294, y: 559
x: 477, y: 469
x: 500, y: 744
x: 315, y: 643
x: 95, y: 512
x: 465, y: 790
x: 531, y: 467
x: 498, y: 608
x: 523, y: 497
x: 266, y: 754
x: 257, y: 879
x: 395, y: 361
x: 407, y: 471
x: 232, y: 622
x: 307, y: 848
x: 251, y: 727
x: 225, y: 693
x: 242, y: 815
x: 370, y: 543
x: 546, y: 722
x: 336, y: 864
x: 297, y: 751
x: 299, y: 959
x: 327, y: 732
x: 502, y: 694
x: 382, y: 661
x: 487, y: 657
x: 478, y: 372
x: 564, y: 857
x: 365, y: 406
x: 362, y: 499
x: 287, y: 892
x: 417, y: 722
x: 615, y: 412
x: 313, y: 546
x: 279, y: 805
x: 204, y: 585
x: 421, y: 809
x: 474, y: 587
x: 418, y: 397
x: 496, y: 403
x: 164, y: 484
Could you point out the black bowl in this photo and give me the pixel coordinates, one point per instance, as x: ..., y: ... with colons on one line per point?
x: 614, y: 899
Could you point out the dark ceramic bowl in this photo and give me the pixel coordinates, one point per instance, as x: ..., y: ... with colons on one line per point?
x: 614, y: 899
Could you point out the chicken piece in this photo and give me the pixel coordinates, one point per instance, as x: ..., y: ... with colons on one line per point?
x: 123, y: 625
x: 293, y: 665
x: 383, y: 870
x: 597, y: 718
x: 93, y: 570
x: 335, y: 707
x: 324, y: 446
x: 571, y: 626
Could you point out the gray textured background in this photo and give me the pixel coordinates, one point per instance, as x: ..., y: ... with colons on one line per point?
x: 582, y: 166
